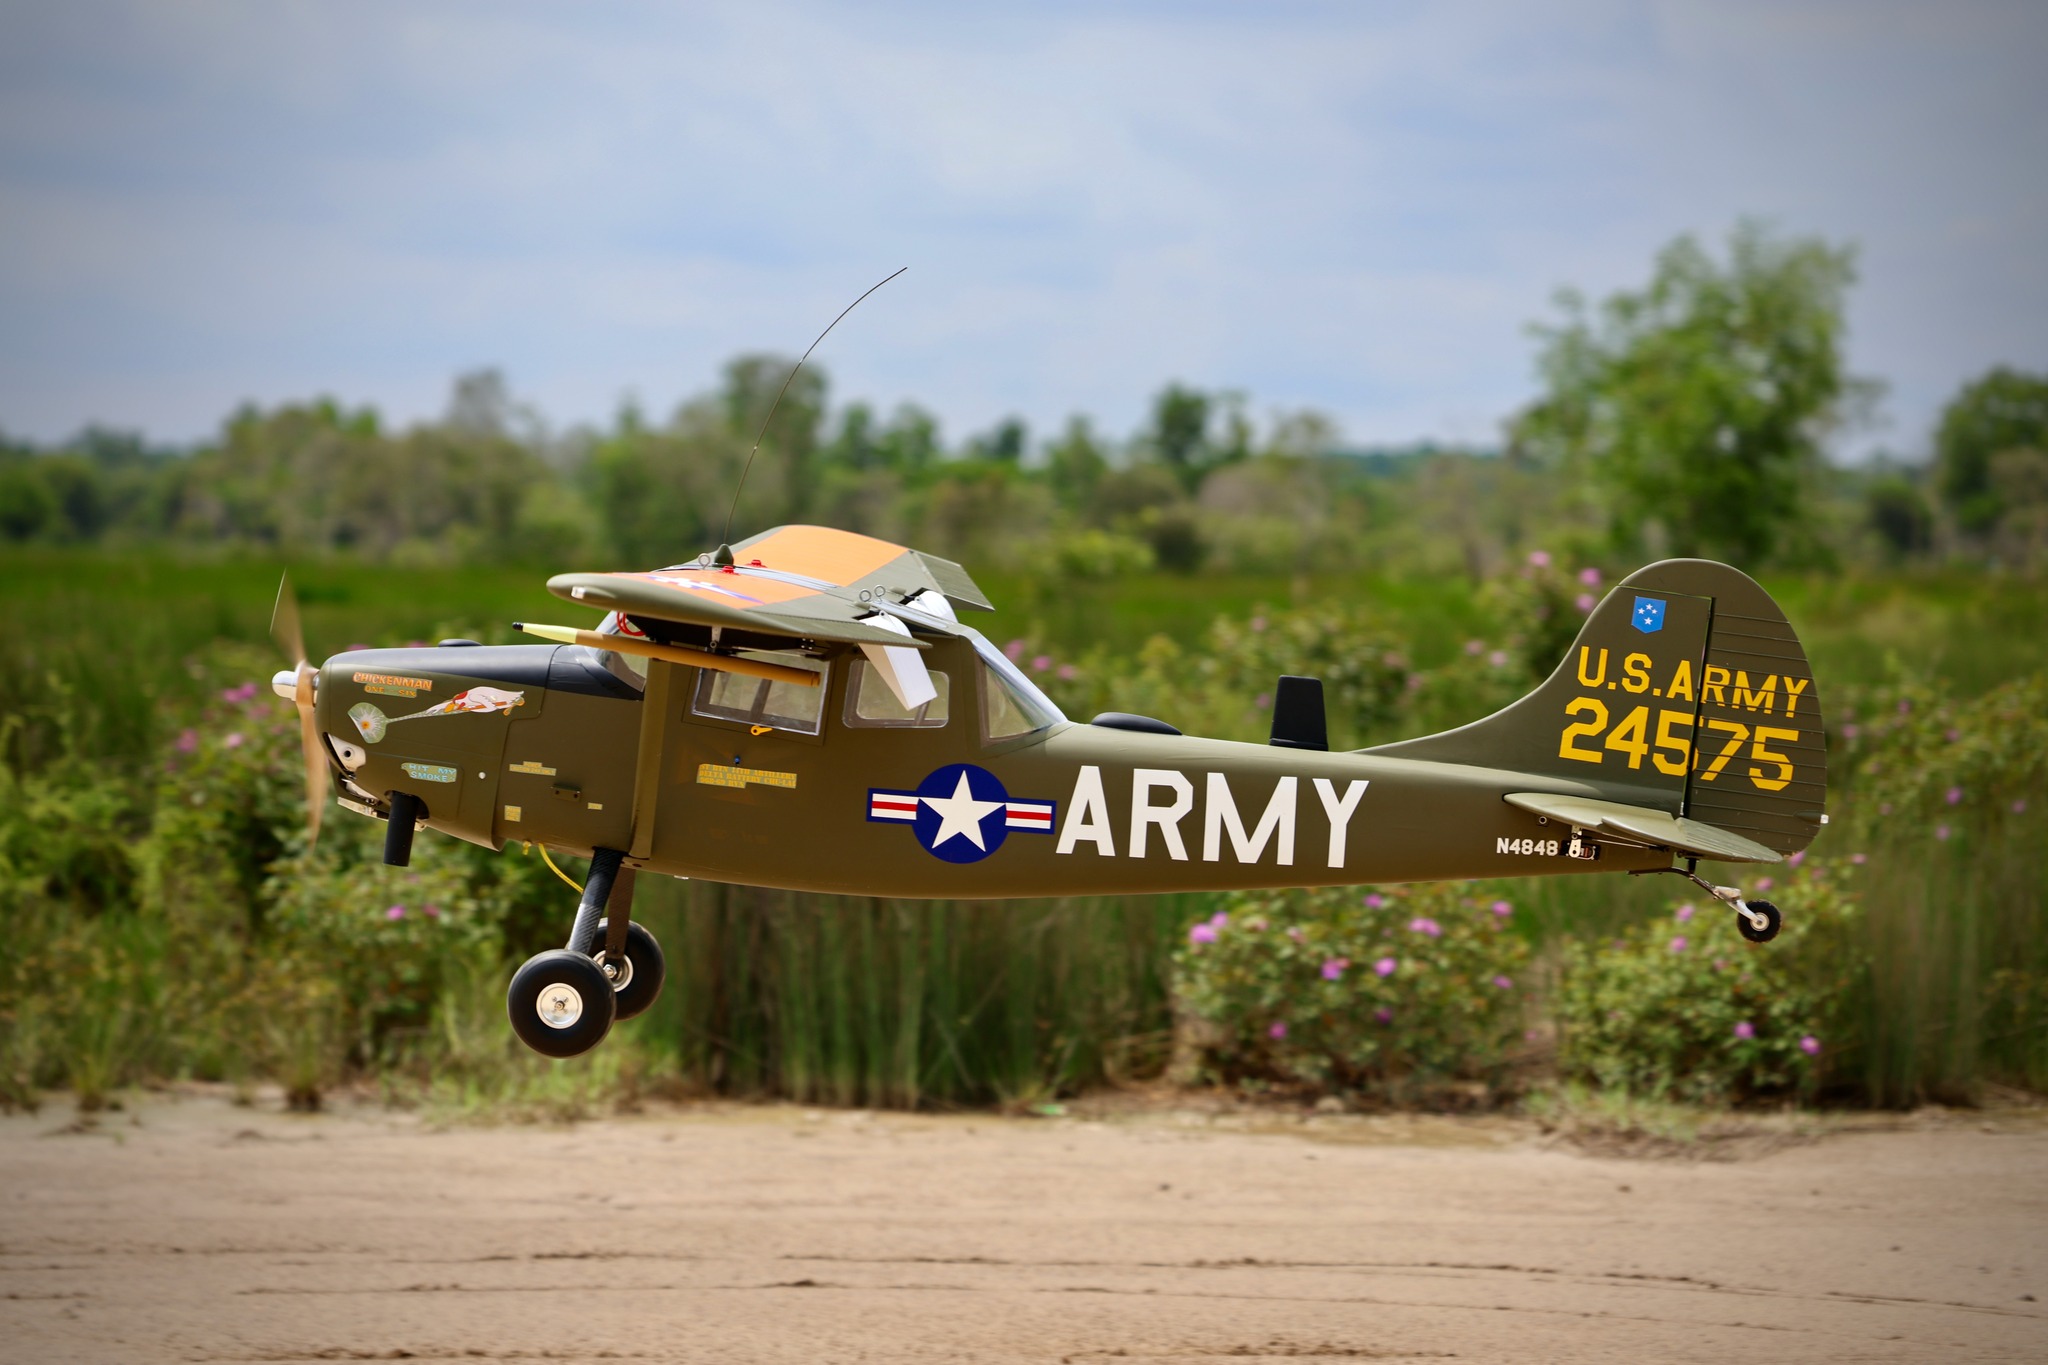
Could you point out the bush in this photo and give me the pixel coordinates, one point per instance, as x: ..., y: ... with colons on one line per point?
x: 1392, y: 992
x: 1683, y: 1007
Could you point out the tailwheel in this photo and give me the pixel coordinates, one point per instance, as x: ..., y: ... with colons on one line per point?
x: 636, y: 977
x: 1746, y: 915
x: 560, y: 1003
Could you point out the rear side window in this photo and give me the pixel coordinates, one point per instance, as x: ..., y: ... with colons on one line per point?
x: 759, y: 701
x: 870, y: 703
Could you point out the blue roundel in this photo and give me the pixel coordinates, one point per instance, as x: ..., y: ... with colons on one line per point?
x: 961, y: 813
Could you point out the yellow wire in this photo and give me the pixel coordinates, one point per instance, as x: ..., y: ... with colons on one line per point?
x: 575, y: 886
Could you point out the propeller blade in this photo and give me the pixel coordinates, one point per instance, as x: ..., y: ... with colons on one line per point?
x: 291, y: 638
x: 314, y: 753
x: 284, y: 622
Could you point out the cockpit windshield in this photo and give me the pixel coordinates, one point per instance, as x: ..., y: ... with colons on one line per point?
x: 1011, y: 704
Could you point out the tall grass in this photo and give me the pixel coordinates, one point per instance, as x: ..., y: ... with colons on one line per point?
x: 1958, y: 965
x: 865, y: 1001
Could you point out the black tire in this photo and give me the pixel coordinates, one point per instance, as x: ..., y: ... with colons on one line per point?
x: 1750, y: 931
x: 590, y: 1003
x: 644, y: 973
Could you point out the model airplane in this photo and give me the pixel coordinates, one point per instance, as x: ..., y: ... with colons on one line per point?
x: 806, y: 710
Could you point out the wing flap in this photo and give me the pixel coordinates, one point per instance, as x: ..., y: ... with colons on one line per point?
x: 1642, y: 823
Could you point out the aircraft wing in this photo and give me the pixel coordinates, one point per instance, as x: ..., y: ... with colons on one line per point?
x: 1645, y: 825
x: 712, y: 597
x: 805, y: 582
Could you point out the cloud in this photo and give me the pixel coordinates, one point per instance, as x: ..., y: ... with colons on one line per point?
x: 1320, y: 205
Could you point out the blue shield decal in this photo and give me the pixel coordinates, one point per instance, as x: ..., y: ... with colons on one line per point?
x: 1649, y: 615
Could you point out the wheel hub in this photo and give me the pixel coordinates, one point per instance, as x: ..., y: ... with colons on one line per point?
x: 619, y: 973
x: 559, y: 1004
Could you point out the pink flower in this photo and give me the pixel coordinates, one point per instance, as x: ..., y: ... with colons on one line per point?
x: 1424, y: 925
x: 1720, y: 964
x: 431, y: 911
x: 188, y: 741
x: 1810, y: 1045
x: 1041, y: 662
x: 1202, y: 933
x: 1277, y: 1032
x: 1539, y: 559
x: 1499, y: 658
x: 1745, y: 1030
x: 246, y: 692
x: 1374, y: 900
x: 1764, y: 883
x: 1503, y: 909
x: 1904, y: 707
x: 1262, y: 701
x: 1383, y: 1015
x: 1067, y: 672
x: 1475, y: 647
x: 1294, y: 932
x: 1954, y: 734
x: 1955, y: 796
x: 1585, y: 602
x: 1941, y: 832
x: 1334, y: 967
x: 1678, y: 944
x: 1014, y: 650
x: 1857, y: 859
x: 1220, y: 918
x: 1503, y: 983
x: 1851, y: 731
x: 233, y: 741
x: 396, y: 912
x: 1258, y: 624
x: 1684, y: 913
x: 1385, y: 966
x: 2019, y: 807
x: 1590, y: 576
x: 1796, y: 859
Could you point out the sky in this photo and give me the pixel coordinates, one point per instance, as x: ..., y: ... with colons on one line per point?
x: 1357, y: 208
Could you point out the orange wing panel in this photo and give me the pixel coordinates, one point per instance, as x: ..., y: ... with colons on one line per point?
x: 841, y: 557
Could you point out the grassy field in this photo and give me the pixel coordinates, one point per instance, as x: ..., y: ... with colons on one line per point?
x: 108, y: 657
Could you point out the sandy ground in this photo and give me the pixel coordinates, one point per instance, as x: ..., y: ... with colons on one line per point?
x: 190, y: 1230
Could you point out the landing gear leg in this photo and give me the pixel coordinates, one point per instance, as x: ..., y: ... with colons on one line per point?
x: 1757, y: 921
x: 562, y: 1002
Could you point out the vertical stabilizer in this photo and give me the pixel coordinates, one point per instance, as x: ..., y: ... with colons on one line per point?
x: 1686, y: 692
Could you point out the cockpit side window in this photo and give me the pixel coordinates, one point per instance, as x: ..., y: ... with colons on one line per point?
x: 762, y: 701
x: 871, y: 705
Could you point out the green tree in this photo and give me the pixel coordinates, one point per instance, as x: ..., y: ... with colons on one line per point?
x: 1697, y: 409
x: 2004, y: 410
x: 1185, y: 436
x: 1075, y: 464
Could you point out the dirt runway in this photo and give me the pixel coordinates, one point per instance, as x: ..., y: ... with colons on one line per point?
x: 190, y: 1230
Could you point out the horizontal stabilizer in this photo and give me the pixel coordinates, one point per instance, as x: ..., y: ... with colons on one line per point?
x: 1654, y: 827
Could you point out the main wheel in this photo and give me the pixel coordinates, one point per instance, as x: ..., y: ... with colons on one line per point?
x: 560, y: 1003
x: 1750, y: 931
x: 636, y: 982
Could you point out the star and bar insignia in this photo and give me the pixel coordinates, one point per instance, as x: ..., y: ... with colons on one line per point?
x: 960, y: 813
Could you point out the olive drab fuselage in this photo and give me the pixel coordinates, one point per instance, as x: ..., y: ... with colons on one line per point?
x: 984, y: 793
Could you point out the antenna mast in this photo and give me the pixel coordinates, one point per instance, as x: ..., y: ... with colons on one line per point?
x: 725, y: 539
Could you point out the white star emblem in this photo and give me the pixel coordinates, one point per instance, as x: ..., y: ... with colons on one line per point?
x: 960, y: 814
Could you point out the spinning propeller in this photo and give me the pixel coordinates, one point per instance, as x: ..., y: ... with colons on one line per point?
x: 284, y: 629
